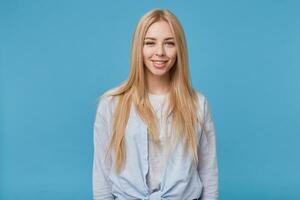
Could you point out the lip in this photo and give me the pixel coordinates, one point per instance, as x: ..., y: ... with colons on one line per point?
x: 159, y: 65
x: 159, y: 60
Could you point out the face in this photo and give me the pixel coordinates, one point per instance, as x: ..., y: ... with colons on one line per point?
x: 159, y: 50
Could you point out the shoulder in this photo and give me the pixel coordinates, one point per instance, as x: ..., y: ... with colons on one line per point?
x: 201, y: 98
x: 200, y: 95
x: 106, y: 101
x: 203, y: 105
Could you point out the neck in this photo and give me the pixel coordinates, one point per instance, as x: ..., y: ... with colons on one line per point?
x: 158, y: 84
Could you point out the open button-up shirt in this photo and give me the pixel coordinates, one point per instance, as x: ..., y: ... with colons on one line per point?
x: 181, y: 179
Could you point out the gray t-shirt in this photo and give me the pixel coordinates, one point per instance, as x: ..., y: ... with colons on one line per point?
x: 157, y: 154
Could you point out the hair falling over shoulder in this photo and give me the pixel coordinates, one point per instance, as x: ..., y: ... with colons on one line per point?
x: 183, y: 100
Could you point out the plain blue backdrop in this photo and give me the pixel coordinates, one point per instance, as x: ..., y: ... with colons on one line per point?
x: 57, y: 57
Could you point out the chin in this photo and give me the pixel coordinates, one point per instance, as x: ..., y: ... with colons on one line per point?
x: 158, y: 72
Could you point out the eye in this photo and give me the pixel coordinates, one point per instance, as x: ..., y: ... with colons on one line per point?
x: 170, y: 43
x: 149, y: 43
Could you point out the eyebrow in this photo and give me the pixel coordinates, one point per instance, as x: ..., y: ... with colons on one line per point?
x: 152, y: 38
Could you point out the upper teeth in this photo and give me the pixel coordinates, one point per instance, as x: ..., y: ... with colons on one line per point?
x: 160, y: 62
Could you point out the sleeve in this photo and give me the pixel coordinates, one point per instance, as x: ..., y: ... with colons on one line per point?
x: 101, y: 165
x: 208, y: 164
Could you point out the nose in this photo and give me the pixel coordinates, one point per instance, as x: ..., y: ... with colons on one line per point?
x: 160, y: 51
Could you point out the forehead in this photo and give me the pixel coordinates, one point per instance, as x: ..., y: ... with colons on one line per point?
x: 160, y: 29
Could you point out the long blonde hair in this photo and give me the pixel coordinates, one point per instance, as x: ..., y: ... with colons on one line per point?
x: 182, y: 97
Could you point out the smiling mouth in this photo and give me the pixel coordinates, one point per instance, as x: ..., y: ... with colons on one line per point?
x: 159, y: 63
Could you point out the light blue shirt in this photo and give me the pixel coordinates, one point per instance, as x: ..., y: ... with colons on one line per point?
x: 180, y: 180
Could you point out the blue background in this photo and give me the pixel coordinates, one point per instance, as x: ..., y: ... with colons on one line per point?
x: 57, y: 57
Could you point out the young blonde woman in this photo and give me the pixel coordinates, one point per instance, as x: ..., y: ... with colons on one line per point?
x: 154, y: 137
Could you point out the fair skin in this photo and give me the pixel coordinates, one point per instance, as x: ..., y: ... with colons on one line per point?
x: 159, y: 54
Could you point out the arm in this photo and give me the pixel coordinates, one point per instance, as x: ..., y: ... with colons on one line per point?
x: 208, y: 165
x: 101, y: 167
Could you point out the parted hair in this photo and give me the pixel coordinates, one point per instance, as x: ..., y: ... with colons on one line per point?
x: 182, y: 101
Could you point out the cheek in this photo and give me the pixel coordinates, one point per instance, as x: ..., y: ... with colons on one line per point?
x: 146, y: 52
x: 172, y: 53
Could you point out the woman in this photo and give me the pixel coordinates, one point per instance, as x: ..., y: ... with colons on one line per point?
x: 154, y: 137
